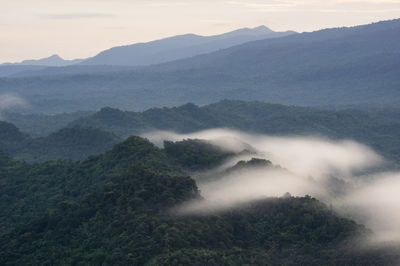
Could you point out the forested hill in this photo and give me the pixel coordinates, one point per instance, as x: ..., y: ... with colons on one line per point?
x: 10, y: 136
x: 97, y: 132
x: 378, y: 128
x: 40, y: 125
x: 114, y: 209
x: 76, y: 143
x: 27, y: 190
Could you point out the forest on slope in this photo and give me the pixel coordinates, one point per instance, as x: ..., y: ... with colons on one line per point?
x: 77, y: 136
x: 105, y: 203
x: 115, y: 208
x: 379, y: 128
x: 75, y: 143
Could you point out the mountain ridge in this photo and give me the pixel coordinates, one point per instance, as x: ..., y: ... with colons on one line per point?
x: 178, y: 47
x: 53, y: 60
x: 357, y: 66
x: 157, y: 50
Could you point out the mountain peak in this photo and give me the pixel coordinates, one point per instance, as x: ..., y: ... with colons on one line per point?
x: 54, y: 56
x: 262, y: 28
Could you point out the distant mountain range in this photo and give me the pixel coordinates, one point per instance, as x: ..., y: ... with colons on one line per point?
x: 178, y: 47
x: 336, y: 67
x: 9, y: 69
x: 154, y: 52
x: 54, y: 60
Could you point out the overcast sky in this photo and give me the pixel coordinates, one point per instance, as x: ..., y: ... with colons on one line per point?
x: 32, y: 29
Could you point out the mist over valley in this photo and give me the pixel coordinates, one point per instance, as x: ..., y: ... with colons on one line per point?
x: 249, y: 147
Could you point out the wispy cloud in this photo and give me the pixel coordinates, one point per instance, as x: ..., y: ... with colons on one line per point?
x: 339, y: 173
x: 76, y: 16
x: 217, y: 22
x: 369, y: 1
x: 317, y: 5
x: 167, y: 4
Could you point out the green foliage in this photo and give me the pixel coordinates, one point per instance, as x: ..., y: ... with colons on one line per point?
x: 125, y: 226
x: 39, y: 125
x: 10, y: 137
x: 254, y: 162
x: 9, y: 132
x: 4, y: 159
x: 195, y: 154
x: 379, y: 128
x: 185, y: 118
x: 27, y: 191
x: 76, y: 143
x: 119, y: 208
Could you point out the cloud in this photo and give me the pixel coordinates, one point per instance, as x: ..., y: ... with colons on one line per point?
x: 341, y: 173
x: 167, y: 4
x: 378, y: 202
x: 306, y: 156
x: 248, y: 185
x: 77, y: 16
x: 332, y: 6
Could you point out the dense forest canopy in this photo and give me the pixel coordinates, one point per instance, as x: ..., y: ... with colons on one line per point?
x: 97, y: 206
x: 378, y: 128
x: 115, y: 208
x: 77, y: 136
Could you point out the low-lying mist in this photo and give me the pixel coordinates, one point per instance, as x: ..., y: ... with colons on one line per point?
x: 9, y: 100
x: 341, y: 173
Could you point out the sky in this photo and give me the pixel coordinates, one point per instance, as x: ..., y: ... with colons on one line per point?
x: 32, y: 29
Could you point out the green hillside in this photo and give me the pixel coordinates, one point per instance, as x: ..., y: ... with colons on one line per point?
x: 379, y: 128
x: 76, y: 143
x: 115, y: 209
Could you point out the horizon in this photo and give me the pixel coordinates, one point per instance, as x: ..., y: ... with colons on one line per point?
x: 188, y: 33
x: 82, y: 29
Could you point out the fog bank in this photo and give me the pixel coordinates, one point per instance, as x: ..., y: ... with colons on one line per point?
x: 337, y: 172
